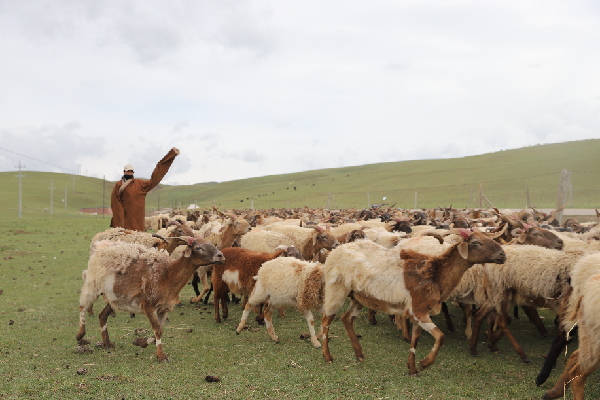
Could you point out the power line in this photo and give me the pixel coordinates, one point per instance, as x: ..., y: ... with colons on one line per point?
x: 35, y: 159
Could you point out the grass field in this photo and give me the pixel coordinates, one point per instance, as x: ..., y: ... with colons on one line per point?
x: 41, y: 260
x: 509, y: 179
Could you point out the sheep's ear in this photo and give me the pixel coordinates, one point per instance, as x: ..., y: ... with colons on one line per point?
x: 187, y: 252
x: 463, y: 250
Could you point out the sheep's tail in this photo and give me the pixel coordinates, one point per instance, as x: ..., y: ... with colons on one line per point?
x: 311, y: 290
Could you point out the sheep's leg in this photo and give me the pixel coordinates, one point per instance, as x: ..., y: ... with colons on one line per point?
x: 401, y: 322
x: 479, y: 317
x: 242, y: 325
x: 325, y: 323
x: 424, y: 321
x: 348, y: 320
x: 414, y: 341
x: 372, y: 317
x: 220, y: 299
x: 210, y: 289
x: 534, y: 317
x: 157, y: 321
x: 311, y: 328
x: 281, y: 312
x: 494, y: 334
x: 268, y: 313
x: 260, y: 313
x: 224, y: 305
x: 556, y: 348
x: 81, y: 332
x: 106, y: 343
x: 503, y: 325
x: 195, y: 280
x: 565, y: 378
x: 468, y: 314
x: 580, y: 374
x: 449, y: 324
x: 205, y: 286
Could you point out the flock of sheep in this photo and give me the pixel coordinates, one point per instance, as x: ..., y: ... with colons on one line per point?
x: 407, y: 264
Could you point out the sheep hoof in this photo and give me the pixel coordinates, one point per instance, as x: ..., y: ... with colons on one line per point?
x: 360, y: 359
x: 83, y: 342
x: 526, y: 360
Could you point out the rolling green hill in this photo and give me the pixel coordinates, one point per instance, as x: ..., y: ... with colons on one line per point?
x: 508, y: 179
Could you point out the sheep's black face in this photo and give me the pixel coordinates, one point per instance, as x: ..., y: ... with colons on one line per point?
x: 402, y: 226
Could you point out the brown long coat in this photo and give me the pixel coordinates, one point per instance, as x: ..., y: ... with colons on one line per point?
x: 129, y: 207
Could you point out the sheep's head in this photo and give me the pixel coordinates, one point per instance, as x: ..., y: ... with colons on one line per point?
x: 323, y: 239
x: 534, y: 235
x: 181, y: 230
x: 241, y: 226
x: 204, y: 253
x: 355, y: 235
x: 480, y: 248
x: 401, y: 225
x: 290, y: 251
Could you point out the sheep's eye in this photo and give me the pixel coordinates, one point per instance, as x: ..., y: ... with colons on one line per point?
x: 476, y: 243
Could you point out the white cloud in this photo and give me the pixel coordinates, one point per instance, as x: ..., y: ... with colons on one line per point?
x: 252, y: 88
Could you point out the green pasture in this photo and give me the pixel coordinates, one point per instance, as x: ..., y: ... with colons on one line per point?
x: 41, y: 259
x: 508, y: 179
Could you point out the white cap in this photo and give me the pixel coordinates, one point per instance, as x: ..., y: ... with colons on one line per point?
x: 128, y: 167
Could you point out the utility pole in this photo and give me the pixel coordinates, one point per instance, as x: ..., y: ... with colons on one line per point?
x: 20, y: 191
x: 51, y: 194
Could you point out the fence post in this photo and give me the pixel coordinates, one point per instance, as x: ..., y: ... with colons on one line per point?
x: 563, y: 189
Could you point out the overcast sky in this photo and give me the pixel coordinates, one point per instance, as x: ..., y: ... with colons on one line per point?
x: 266, y: 87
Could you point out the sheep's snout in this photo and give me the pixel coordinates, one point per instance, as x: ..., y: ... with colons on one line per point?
x: 219, y: 258
x: 500, y: 258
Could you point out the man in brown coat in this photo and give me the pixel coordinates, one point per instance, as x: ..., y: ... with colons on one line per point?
x: 128, y: 198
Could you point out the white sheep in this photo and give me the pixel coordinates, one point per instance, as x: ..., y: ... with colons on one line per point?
x: 583, y: 309
x: 264, y: 241
x: 531, y: 276
x: 308, y: 241
x: 287, y: 282
x: 399, y: 282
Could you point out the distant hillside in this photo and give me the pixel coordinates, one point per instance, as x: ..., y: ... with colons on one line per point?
x: 508, y: 179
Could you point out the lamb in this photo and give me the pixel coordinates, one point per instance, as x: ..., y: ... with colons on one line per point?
x: 400, y: 283
x: 287, y: 282
x: 237, y: 274
x: 140, y: 280
x: 582, y: 309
